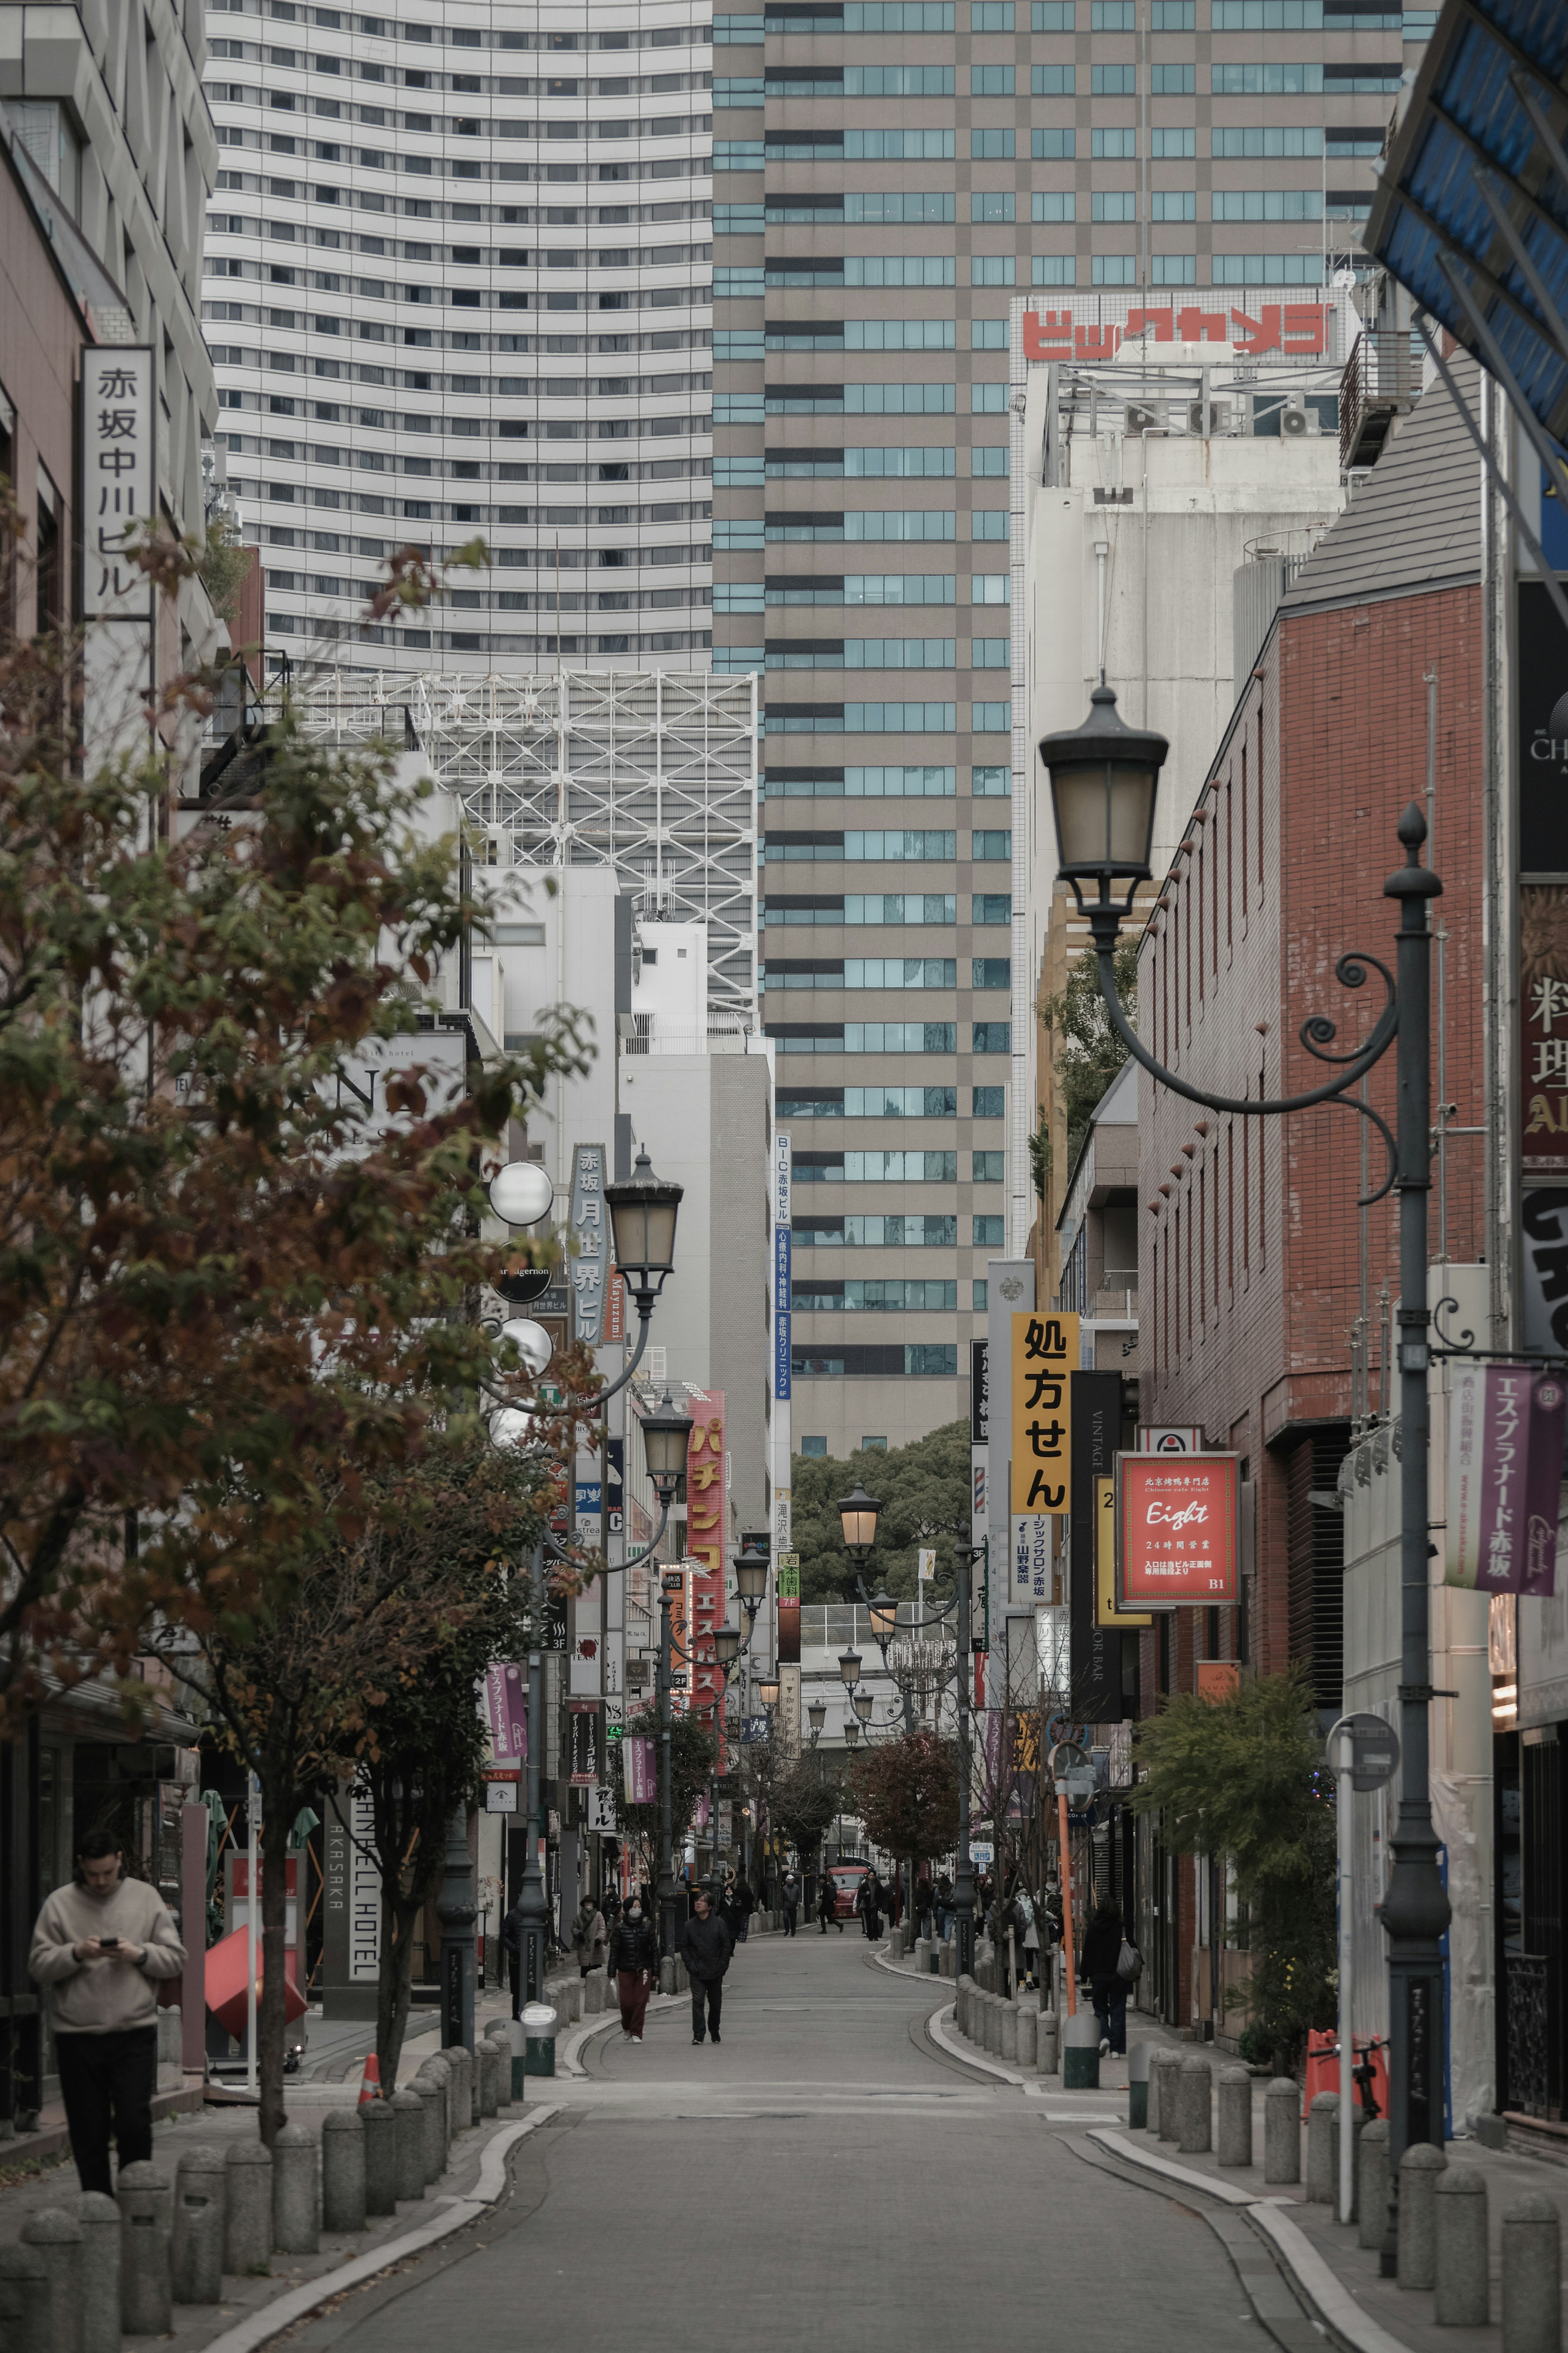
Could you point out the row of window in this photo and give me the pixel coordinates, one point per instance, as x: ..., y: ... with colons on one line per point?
x: 866, y: 718
x: 870, y: 464
x: 864, y: 589
x: 333, y: 542
x: 234, y: 135
x: 1062, y: 16
x: 901, y: 907
x: 874, y: 1295
x: 452, y: 298
x: 318, y: 631
x: 893, y: 783
x: 474, y: 257
x: 897, y: 846
x: 371, y: 503
x: 459, y: 37
x: 425, y: 339
x: 888, y: 1102
x: 1283, y: 77
x: 931, y: 1231
x: 469, y: 126
x: 886, y: 1037
x: 433, y: 208
x: 1047, y: 146
x: 506, y: 388
x: 862, y: 972
x: 338, y: 69
x: 884, y: 653
x: 894, y: 1167
x: 1180, y: 269
x: 915, y: 1361
x: 301, y: 584
x: 741, y: 534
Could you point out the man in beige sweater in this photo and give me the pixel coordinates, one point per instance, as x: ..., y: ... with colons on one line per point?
x: 99, y: 1946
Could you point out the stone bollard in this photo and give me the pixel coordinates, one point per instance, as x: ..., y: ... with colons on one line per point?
x: 380, y: 2156
x: 195, y: 2253
x: 100, y: 2218
x: 408, y: 2109
x: 1372, y: 2184
x: 1048, y: 2043
x: 1532, y: 2282
x: 295, y: 2228
x: 961, y: 2004
x: 1322, y: 2181
x: 247, y: 2211
x: 488, y: 2056
x: 1420, y: 2169
x: 1007, y: 2032
x: 1081, y: 2052
x: 439, y: 2069
x: 146, y: 2200
x: 55, y: 2237
x: 343, y: 2170
x: 27, y: 2299
x: 1463, y: 2277
x: 1235, y: 2117
x: 433, y: 2100
x: 461, y: 2062
x: 571, y: 2003
x: 1194, y: 2103
x: 1170, y: 2064
x: 1282, y: 2130
x: 1029, y: 2036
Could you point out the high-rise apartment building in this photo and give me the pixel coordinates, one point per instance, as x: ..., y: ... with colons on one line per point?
x: 458, y: 287
x: 888, y: 175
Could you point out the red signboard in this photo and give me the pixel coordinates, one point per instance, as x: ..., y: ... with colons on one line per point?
x: 707, y: 1504
x: 1176, y: 1530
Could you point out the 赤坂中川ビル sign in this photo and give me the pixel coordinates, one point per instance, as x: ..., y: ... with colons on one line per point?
x: 1177, y: 1530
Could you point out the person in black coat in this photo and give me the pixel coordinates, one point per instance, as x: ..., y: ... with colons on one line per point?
x: 632, y: 1964
x: 743, y: 1904
x: 1097, y: 1968
x: 828, y: 1906
x: 705, y: 1948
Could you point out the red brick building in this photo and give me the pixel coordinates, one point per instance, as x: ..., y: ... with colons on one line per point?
x: 1251, y: 1254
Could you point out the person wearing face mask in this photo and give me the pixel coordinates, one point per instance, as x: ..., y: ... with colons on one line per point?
x: 634, y: 1957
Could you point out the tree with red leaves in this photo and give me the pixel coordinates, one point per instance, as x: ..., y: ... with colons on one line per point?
x: 906, y: 1791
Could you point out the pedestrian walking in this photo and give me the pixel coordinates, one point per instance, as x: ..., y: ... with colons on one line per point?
x: 610, y: 1906
x: 100, y: 1945
x: 743, y: 1904
x: 634, y: 1957
x: 868, y: 1903
x: 705, y: 1948
x: 1099, y: 1969
x: 1031, y: 1937
x: 589, y: 1937
x: 828, y: 1906
x: 943, y: 1906
x: 791, y: 1893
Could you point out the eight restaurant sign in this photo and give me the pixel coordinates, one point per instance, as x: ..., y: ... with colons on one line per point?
x: 1177, y: 1530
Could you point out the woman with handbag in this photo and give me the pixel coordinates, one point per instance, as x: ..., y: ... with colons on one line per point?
x: 1099, y: 1967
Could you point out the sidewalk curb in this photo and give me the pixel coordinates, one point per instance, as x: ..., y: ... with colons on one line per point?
x: 567, y: 2049
x: 956, y: 2048
x: 1328, y: 2300
x: 261, y: 2327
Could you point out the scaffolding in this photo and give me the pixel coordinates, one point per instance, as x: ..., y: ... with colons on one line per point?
x: 651, y: 772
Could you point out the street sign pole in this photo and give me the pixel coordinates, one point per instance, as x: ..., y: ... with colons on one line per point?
x: 1362, y: 1754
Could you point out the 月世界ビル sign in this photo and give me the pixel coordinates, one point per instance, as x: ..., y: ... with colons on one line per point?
x: 1177, y: 1531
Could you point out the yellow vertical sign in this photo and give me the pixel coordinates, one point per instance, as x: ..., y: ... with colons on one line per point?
x: 1045, y: 1357
x: 1106, y: 1613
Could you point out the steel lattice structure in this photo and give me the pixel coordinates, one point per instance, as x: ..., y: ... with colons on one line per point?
x: 651, y: 772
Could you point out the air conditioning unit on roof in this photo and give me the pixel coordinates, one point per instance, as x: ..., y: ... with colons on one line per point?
x: 1296, y: 419
x: 1141, y: 416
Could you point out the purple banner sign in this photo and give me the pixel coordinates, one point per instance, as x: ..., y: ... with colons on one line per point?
x: 506, y: 1707
x: 639, y: 1779
x: 1505, y: 1467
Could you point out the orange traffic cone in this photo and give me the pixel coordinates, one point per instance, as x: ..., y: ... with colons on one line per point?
x: 370, y: 2082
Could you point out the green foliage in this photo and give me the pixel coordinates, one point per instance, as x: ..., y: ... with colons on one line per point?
x: 221, y: 563
x: 926, y: 1482
x: 1088, y: 1053
x: 805, y: 1795
x: 693, y: 1752
x: 906, y: 1792
x: 1243, y: 1778
x: 1042, y: 1158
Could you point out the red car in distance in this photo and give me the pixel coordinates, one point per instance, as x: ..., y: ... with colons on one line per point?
x: 846, y: 1878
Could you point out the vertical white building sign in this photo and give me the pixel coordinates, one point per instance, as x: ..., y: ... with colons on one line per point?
x: 118, y: 490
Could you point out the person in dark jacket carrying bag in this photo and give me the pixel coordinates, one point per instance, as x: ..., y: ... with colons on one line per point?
x: 705, y: 1948
x: 634, y: 1957
x: 1099, y: 1967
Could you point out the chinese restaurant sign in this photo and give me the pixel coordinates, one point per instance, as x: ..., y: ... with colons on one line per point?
x: 1177, y: 1530
x: 1505, y: 1459
x: 1044, y: 1355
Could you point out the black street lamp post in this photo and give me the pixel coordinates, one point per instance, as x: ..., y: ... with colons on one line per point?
x: 1104, y: 777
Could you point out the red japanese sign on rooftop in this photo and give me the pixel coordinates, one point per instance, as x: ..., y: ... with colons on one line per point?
x: 1177, y: 1531
x: 1090, y: 331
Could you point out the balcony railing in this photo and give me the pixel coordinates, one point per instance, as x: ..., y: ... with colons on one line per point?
x: 1381, y: 380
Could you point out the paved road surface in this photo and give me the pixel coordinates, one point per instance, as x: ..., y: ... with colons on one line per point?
x: 824, y: 2177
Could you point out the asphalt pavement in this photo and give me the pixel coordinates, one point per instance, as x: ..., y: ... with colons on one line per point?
x: 826, y: 2175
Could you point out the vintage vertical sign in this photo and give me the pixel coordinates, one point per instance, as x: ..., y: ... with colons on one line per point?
x: 118, y: 457
x: 583, y: 1722
x: 787, y: 1579
x: 1097, y: 1688
x: 1045, y: 1357
x: 1105, y: 1609
x: 706, y: 1511
x: 590, y: 1262
x: 506, y: 1710
x: 676, y: 1586
x: 1505, y: 1459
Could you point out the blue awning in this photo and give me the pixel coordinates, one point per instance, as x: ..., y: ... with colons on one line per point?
x: 1471, y: 215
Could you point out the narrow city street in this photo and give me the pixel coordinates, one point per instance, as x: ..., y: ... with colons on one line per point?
x: 827, y: 2174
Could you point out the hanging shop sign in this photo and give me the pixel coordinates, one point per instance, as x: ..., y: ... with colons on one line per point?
x: 1505, y: 1464
x: 1177, y: 1531
x: 1105, y: 1610
x: 1045, y: 1357
x: 590, y: 1243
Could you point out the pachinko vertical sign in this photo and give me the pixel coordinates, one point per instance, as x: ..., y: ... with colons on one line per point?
x: 1505, y: 1468
x: 706, y: 1476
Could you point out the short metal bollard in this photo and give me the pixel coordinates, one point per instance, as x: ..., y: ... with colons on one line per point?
x: 146, y: 2201
x: 56, y: 2237
x: 101, y: 2228
x: 247, y: 2211
x: 296, y: 2230
x: 1531, y: 2276
x: 1282, y: 2130
x: 432, y: 2092
x: 1048, y: 2043
x: 343, y: 2170
x: 380, y: 2156
x: 27, y: 2299
x: 1028, y: 2035
x: 1463, y: 2279
x: 1081, y: 2052
x: 1234, y: 2099
x: 1420, y: 2169
x: 487, y: 2067
x: 1194, y: 2105
x: 539, y: 2023
x: 1322, y: 2181
x: 195, y: 2254
x: 408, y: 2109
x: 1372, y: 2184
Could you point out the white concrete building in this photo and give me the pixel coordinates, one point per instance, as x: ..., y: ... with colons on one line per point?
x: 458, y: 286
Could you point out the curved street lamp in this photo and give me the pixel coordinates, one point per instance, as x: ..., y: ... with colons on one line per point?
x: 1104, y: 778
x: 849, y: 1666
x: 858, y: 1513
x: 816, y: 1717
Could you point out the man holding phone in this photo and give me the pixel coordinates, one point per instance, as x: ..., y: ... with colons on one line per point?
x: 100, y: 1945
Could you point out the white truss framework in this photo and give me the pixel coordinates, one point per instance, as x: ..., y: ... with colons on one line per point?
x: 651, y: 772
